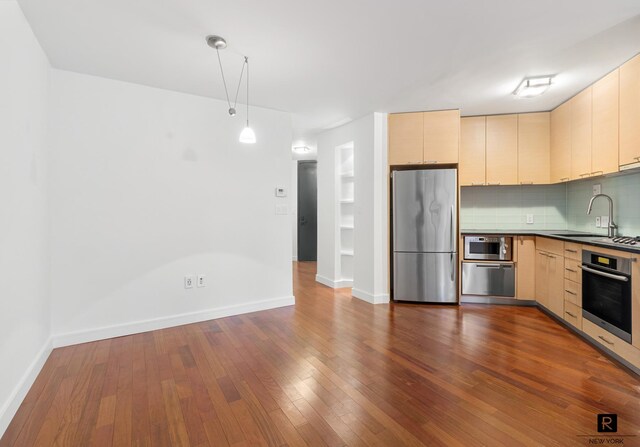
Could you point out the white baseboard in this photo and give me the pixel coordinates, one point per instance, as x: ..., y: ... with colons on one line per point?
x: 382, y: 298
x: 136, y: 327
x: 334, y: 284
x: 295, y: 258
x: 9, y: 408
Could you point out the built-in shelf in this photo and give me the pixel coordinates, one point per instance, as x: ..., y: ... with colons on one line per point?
x: 346, y: 201
x: 347, y: 227
x: 345, y: 223
x: 346, y: 253
x: 347, y: 175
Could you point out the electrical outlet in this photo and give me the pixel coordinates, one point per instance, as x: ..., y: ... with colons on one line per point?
x: 202, y: 281
x: 597, y: 189
x: 282, y: 210
x: 188, y: 282
x: 529, y: 218
x: 604, y: 221
x: 598, y: 222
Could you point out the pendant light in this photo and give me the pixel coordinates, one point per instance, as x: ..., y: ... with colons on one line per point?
x: 247, y: 135
x: 218, y: 43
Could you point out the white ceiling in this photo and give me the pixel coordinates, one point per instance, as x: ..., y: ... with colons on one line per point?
x: 326, y: 61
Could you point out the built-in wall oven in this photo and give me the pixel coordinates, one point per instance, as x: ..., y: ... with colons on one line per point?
x: 606, y: 292
x: 483, y: 278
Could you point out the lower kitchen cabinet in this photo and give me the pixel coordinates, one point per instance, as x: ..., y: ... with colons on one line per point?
x: 572, y: 314
x: 541, y: 272
x: 550, y: 281
x: 525, y: 247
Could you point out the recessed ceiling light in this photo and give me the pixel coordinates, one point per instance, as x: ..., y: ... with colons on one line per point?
x: 530, y: 87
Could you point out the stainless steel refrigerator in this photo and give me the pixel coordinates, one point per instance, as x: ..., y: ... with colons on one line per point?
x: 424, y: 222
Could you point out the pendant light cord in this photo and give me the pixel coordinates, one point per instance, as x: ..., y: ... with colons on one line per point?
x: 246, y: 62
x: 224, y: 81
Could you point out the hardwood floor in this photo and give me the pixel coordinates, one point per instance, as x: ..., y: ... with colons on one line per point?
x: 333, y: 371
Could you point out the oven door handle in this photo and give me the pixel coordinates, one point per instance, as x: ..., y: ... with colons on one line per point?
x: 605, y: 274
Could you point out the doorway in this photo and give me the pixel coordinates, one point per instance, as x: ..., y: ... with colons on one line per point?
x: 307, y: 211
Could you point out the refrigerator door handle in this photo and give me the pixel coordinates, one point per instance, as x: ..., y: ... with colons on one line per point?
x: 453, y: 268
x: 451, y: 228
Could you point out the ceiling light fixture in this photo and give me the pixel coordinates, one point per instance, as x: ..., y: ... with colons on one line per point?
x: 301, y: 149
x: 534, y: 86
x: 218, y: 43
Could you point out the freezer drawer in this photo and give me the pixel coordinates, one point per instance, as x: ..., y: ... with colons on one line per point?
x: 492, y: 279
x: 425, y: 277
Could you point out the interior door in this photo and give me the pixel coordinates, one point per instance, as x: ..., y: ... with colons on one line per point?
x: 307, y: 211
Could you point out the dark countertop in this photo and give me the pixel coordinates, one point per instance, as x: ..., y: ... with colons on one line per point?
x: 577, y: 237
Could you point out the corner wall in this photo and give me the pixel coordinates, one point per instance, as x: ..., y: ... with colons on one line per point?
x: 148, y: 186
x: 24, y: 254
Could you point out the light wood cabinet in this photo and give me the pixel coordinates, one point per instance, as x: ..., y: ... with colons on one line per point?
x: 572, y: 292
x: 542, y: 272
x: 549, y: 245
x: 560, y: 158
x: 573, y: 251
x: 502, y: 150
x: 472, y: 151
x: 555, y: 279
x: 572, y: 270
x: 581, y: 126
x: 534, y: 133
x: 630, y: 112
x: 604, y: 151
x: 441, y: 132
x: 405, y: 138
x: 525, y: 267
x: 572, y: 314
x: 635, y: 300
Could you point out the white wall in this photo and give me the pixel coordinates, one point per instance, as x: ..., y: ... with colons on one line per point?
x: 148, y: 185
x: 369, y: 136
x: 24, y: 275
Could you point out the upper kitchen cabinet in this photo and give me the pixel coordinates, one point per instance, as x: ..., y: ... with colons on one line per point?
x: 604, y: 150
x: 533, y: 148
x: 561, y: 143
x: 581, y: 128
x: 441, y: 136
x: 630, y: 112
x: 472, y: 151
x: 502, y: 150
x: 406, y: 132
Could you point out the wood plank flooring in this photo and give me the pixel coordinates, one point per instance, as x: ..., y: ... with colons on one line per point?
x: 333, y: 371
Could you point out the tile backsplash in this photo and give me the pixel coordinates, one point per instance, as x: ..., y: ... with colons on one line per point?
x: 506, y: 207
x: 625, y: 192
x: 554, y: 207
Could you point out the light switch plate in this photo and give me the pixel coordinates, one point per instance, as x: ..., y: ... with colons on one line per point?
x: 202, y: 281
x: 188, y: 281
x: 597, y: 189
x: 281, y: 191
x: 604, y: 221
x: 529, y: 218
x: 598, y: 224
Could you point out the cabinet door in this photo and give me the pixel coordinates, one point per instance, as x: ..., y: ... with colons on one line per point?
x: 630, y: 111
x: 561, y: 143
x: 635, y: 300
x: 604, y: 153
x: 533, y: 148
x: 555, y: 281
x: 502, y: 150
x: 405, y: 138
x: 471, y: 168
x: 526, y: 268
x: 441, y: 136
x: 542, y: 271
x: 581, y: 134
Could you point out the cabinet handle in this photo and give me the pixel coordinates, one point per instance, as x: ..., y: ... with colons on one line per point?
x: 571, y: 270
x: 570, y: 314
x: 493, y: 184
x: 551, y: 256
x: 566, y: 179
x: 477, y: 184
x: 636, y: 158
x: 597, y: 173
x: 570, y: 292
x: 585, y: 174
x: 605, y: 340
x: 571, y: 251
x: 430, y: 162
x: 526, y: 183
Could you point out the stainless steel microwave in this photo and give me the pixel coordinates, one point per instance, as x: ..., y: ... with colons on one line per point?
x: 488, y: 248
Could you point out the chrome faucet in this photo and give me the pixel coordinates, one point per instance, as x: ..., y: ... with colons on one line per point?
x: 611, y: 229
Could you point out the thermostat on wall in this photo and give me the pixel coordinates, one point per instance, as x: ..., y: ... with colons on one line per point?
x: 281, y: 191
